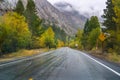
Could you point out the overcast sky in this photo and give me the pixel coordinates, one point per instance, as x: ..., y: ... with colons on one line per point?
x: 94, y: 7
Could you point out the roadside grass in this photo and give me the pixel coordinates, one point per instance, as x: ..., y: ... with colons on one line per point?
x: 23, y: 53
x: 113, y: 57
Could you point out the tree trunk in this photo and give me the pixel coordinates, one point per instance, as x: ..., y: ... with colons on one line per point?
x: 0, y: 53
x: 102, y: 47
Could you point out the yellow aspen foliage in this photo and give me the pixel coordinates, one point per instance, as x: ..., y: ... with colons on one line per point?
x: 60, y: 43
x: 48, y: 38
x: 14, y: 32
x: 42, y: 41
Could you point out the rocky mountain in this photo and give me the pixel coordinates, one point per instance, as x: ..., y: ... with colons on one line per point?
x: 77, y: 20
x: 69, y: 21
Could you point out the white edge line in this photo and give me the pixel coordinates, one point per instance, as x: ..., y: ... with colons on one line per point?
x: 101, y: 64
x: 51, y: 51
x: 17, y: 61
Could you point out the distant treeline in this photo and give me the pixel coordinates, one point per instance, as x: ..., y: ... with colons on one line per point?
x: 21, y: 28
x: 95, y: 37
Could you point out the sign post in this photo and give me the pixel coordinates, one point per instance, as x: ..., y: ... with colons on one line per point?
x: 102, y: 38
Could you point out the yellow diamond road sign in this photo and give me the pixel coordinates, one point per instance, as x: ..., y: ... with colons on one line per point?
x: 102, y: 37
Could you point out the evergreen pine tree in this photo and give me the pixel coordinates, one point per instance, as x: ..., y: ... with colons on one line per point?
x: 31, y: 6
x: 90, y: 25
x: 86, y: 27
x: 19, y: 7
x: 109, y: 13
x: 109, y: 23
x: 93, y: 23
x: 33, y: 19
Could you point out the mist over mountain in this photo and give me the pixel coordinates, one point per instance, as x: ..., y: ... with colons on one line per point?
x: 92, y: 11
x: 77, y: 19
x: 61, y: 14
x: 85, y: 7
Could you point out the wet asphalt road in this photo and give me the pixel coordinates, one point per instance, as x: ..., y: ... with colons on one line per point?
x: 61, y: 64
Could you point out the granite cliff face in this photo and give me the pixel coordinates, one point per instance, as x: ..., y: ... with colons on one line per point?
x: 69, y: 21
x: 75, y: 18
x: 50, y: 13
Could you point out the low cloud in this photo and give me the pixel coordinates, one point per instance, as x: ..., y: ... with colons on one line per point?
x: 93, y: 7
